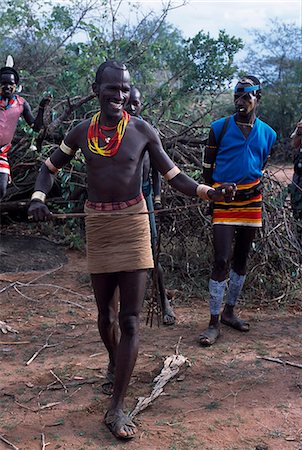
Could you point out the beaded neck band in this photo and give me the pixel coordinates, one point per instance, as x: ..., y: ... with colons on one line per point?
x: 94, y: 132
x: 5, y: 103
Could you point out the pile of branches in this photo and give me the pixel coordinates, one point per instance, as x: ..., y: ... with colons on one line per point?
x: 275, y: 263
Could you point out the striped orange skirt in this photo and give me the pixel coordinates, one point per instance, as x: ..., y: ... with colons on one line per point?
x: 240, y: 212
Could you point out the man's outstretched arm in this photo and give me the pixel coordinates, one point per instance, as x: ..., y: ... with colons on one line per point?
x: 180, y: 181
x: 61, y: 156
x: 36, y: 123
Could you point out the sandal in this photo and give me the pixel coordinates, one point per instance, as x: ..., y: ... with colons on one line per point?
x: 209, y: 336
x: 236, y: 323
x: 120, y: 425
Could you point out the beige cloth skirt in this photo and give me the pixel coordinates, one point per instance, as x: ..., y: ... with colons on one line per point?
x: 117, y: 243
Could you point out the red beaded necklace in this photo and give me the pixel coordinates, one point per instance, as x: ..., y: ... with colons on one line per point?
x: 112, y: 144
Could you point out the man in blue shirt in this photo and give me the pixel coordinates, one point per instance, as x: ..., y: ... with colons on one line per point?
x: 237, y: 150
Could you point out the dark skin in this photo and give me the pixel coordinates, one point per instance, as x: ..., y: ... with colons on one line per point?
x: 134, y: 107
x: 297, y: 138
x: 8, y: 86
x: 224, y: 235
x: 116, y: 179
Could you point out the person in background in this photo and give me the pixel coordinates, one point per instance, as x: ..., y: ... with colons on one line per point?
x: 152, y: 193
x: 237, y: 150
x: 12, y: 106
x: 296, y: 186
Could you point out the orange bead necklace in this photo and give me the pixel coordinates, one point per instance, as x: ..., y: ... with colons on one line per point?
x: 112, y: 144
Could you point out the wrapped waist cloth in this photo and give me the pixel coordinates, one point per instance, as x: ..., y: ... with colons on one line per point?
x: 240, y: 212
x: 118, y: 241
x: 4, y: 164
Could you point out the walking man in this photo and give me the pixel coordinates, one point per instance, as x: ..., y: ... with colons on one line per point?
x: 117, y: 226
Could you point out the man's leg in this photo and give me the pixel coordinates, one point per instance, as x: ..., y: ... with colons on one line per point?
x: 132, y: 288
x: 105, y: 291
x: 4, y: 177
x: 3, y: 184
x: 222, y: 241
x: 243, y: 240
x: 167, y: 311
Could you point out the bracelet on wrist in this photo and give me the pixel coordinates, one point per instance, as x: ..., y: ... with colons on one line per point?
x: 203, y: 190
x: 39, y: 195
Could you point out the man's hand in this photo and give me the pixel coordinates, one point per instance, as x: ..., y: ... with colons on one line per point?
x: 38, y: 211
x: 299, y: 128
x: 45, y: 101
x: 223, y: 193
x: 157, y: 205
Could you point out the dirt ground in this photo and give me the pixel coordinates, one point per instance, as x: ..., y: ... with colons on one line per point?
x: 228, y: 398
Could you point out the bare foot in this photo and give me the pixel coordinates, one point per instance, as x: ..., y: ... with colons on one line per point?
x: 120, y: 425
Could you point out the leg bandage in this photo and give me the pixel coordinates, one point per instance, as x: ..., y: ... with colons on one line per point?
x: 235, y: 286
x: 216, y: 289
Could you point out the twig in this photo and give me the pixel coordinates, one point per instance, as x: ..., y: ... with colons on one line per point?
x: 59, y: 380
x: 46, y: 345
x: 43, y: 443
x: 279, y: 361
x: 35, y: 410
x: 25, y: 296
x: 75, y: 383
x: 14, y: 343
x: 177, y: 346
x: 8, y: 442
x: 49, y: 405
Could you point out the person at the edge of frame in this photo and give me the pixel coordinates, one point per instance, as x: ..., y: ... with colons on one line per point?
x: 12, y: 106
x: 237, y: 150
x: 118, y: 240
x: 152, y: 193
x: 296, y: 185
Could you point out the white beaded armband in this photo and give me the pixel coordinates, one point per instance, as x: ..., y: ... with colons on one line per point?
x: 53, y: 169
x: 202, y: 191
x: 172, y: 173
x: 39, y: 195
x: 67, y: 150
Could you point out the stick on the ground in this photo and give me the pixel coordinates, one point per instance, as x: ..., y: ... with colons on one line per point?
x: 59, y: 380
x: 74, y: 383
x: 43, y: 443
x: 5, y: 328
x: 46, y: 345
x: 279, y: 361
x: 8, y: 443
